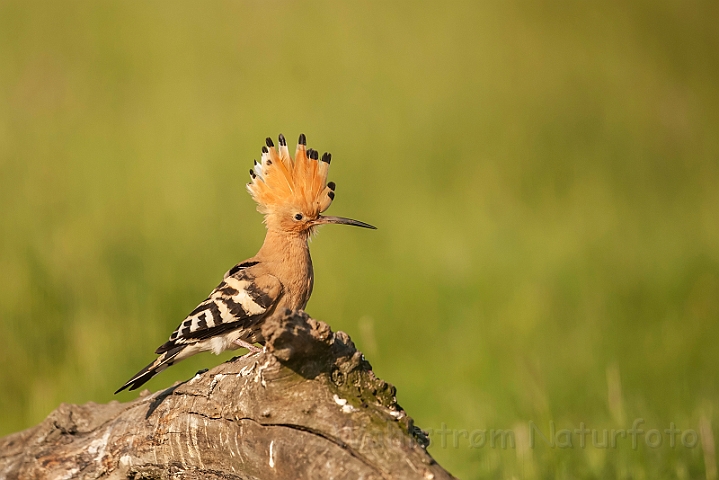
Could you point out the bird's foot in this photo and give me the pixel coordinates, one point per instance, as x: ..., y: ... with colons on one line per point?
x: 252, y: 348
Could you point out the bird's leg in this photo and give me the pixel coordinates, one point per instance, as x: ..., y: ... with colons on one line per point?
x: 241, y: 343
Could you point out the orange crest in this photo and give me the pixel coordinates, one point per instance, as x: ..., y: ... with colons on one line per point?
x: 280, y: 182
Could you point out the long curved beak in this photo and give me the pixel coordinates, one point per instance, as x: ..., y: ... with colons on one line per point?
x: 342, y: 221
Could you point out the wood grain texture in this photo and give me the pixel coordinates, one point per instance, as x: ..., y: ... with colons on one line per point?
x: 308, y: 406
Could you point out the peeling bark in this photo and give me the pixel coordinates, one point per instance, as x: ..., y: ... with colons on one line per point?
x: 308, y: 406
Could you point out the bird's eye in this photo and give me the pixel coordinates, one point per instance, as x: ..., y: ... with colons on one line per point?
x: 298, y: 216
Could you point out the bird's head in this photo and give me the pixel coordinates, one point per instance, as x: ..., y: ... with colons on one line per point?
x: 293, y: 193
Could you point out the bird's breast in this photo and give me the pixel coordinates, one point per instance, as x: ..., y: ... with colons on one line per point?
x: 298, y: 288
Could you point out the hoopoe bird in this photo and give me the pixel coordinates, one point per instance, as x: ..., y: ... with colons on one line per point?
x: 292, y: 194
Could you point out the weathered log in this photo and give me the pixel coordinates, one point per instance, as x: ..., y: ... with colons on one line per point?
x: 307, y: 406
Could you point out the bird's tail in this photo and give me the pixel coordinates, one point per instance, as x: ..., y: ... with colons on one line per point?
x: 162, y: 362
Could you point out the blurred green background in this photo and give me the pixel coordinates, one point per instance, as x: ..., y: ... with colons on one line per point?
x: 544, y: 176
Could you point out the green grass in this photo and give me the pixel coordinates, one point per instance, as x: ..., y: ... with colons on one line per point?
x: 544, y: 176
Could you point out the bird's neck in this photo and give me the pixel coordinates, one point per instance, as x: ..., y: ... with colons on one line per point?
x: 288, y: 258
x: 285, y: 248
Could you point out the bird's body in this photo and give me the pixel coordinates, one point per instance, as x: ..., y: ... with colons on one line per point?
x: 291, y: 194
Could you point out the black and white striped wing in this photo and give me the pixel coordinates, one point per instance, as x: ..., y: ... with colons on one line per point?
x: 240, y: 301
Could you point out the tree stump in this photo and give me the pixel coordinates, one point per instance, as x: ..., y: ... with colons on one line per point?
x: 307, y: 406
